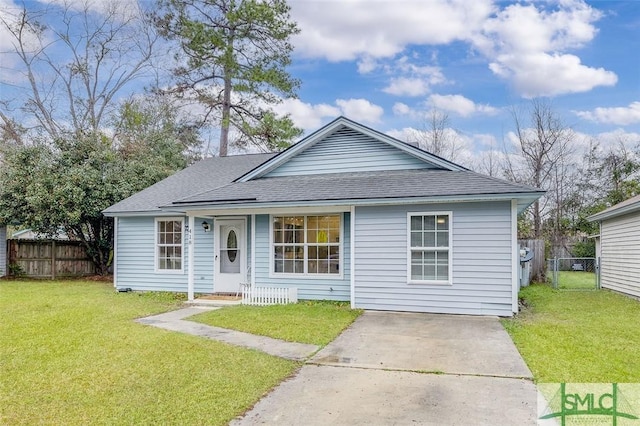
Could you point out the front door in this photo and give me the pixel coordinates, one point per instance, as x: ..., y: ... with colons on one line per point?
x: 230, y: 255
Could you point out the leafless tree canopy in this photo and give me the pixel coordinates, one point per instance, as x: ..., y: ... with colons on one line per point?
x: 72, y: 71
x: 543, y: 149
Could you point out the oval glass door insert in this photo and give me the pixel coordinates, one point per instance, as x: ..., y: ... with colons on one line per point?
x: 232, y: 245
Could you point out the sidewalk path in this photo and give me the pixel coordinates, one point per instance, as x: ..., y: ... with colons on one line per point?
x: 175, y: 321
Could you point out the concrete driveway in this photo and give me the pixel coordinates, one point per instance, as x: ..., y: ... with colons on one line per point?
x: 403, y: 368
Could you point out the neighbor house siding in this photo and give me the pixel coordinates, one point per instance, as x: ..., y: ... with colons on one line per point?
x: 620, y: 261
x: 136, y: 257
x: 3, y: 251
x: 348, y: 151
x: 481, y: 256
x: 308, y: 288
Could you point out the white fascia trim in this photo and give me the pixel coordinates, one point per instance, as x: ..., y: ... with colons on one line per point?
x: 336, y: 206
x: 515, y: 256
x: 155, y: 213
x: 352, y: 255
x: 631, y: 208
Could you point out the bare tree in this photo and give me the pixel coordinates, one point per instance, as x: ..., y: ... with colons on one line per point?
x: 436, y: 136
x: 541, y: 158
x: 75, y: 63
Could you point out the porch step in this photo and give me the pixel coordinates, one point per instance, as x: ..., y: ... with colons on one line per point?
x: 212, y: 302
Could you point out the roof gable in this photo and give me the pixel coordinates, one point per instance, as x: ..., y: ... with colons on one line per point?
x: 344, y: 146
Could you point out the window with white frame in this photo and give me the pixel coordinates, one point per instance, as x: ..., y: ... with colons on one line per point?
x: 429, y: 247
x: 306, y: 244
x: 169, y: 244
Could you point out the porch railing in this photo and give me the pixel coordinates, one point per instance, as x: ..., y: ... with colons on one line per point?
x: 262, y: 296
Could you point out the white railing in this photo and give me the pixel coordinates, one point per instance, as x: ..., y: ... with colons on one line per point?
x: 261, y: 296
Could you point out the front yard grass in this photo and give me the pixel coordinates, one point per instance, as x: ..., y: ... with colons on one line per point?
x: 70, y: 353
x: 311, y: 322
x: 578, y: 337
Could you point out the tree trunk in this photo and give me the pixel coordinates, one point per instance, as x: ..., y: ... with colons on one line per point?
x: 226, y: 113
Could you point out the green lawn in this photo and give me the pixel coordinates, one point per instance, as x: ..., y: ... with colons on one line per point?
x: 576, y: 280
x: 317, y: 323
x: 70, y: 353
x: 588, y: 337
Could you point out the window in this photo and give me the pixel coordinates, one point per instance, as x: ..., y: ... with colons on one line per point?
x: 430, y: 247
x: 306, y: 244
x: 169, y: 244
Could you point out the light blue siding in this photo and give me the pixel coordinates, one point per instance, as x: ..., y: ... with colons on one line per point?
x: 308, y: 288
x: 3, y: 251
x: 136, y: 257
x: 347, y: 150
x: 481, y: 271
x: 203, y: 258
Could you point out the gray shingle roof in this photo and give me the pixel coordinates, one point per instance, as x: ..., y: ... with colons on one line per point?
x: 204, y: 175
x: 357, y: 186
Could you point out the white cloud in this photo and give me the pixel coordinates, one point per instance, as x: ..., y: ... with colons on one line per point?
x: 410, y: 79
x: 525, y: 42
x: 459, y: 105
x: 348, y: 30
x: 621, y: 116
x: 404, y: 86
x: 309, y: 116
x: 360, y: 110
x: 401, y: 109
x: 305, y: 115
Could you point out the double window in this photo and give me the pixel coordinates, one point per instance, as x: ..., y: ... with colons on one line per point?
x: 306, y: 244
x: 169, y: 244
x: 429, y: 248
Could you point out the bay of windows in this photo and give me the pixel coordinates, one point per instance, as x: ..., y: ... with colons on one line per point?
x: 307, y: 244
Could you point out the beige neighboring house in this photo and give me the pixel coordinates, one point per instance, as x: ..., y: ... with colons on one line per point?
x: 618, y: 246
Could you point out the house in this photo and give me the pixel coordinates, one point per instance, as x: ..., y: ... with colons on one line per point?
x: 618, y: 245
x: 347, y: 213
x: 3, y: 250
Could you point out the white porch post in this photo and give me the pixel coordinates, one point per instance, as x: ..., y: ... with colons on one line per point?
x: 190, y: 238
x: 352, y: 255
x: 515, y: 253
x: 253, y: 250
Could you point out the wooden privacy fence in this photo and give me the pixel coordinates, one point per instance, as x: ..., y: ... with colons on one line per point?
x: 538, y: 263
x: 48, y: 259
x: 261, y: 296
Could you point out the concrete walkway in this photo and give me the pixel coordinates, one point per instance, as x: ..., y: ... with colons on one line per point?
x: 175, y: 321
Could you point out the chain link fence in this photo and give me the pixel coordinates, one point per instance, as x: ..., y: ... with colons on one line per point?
x: 574, y: 273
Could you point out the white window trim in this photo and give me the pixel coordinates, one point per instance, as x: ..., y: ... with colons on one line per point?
x: 450, y: 248
x: 305, y: 274
x: 155, y: 245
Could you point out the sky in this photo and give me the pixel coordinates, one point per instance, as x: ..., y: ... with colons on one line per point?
x: 387, y: 63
